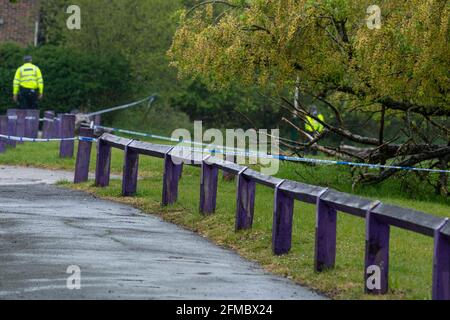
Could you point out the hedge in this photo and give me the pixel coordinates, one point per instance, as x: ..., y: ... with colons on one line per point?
x: 73, y: 79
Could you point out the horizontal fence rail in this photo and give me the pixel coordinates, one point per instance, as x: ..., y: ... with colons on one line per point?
x: 379, y: 217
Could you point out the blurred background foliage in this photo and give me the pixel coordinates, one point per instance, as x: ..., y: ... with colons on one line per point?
x: 74, y: 79
x: 120, y: 55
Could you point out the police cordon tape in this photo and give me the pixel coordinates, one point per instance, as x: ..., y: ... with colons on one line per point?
x: 149, y: 99
x: 241, y: 152
x: 24, y: 139
x: 148, y: 135
x: 311, y: 160
x: 236, y: 152
x: 46, y: 120
x: 164, y: 138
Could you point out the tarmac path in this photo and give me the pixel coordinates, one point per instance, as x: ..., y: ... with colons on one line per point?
x: 120, y: 252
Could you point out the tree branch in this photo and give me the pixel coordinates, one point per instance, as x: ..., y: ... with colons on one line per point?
x: 204, y: 3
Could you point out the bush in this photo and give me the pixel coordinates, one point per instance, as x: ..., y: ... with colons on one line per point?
x: 73, y: 79
x: 161, y: 119
x: 231, y: 108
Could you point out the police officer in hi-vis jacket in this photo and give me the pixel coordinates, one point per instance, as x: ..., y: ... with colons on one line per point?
x: 28, y: 85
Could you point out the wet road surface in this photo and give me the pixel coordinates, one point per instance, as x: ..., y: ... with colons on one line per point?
x: 122, y: 253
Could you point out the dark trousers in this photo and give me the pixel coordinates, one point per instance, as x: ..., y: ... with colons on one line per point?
x: 28, y: 99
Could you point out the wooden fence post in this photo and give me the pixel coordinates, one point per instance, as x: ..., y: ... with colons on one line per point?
x: 228, y: 176
x: 245, y: 202
x: 170, y: 180
x: 97, y: 120
x: 12, y: 126
x: 83, y: 156
x: 180, y: 171
x: 48, y: 127
x: 103, y: 165
x: 3, y: 131
x: 208, y: 188
x: 67, y: 131
x: 130, y: 172
x: 282, y: 222
x: 20, y: 122
x: 28, y: 122
x: 325, y: 242
x: 377, y: 255
x: 58, y: 125
x: 35, y: 127
x: 31, y: 123
x: 441, y: 265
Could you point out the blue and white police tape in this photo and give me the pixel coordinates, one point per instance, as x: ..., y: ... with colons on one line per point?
x: 150, y: 100
x: 25, y: 139
x: 308, y: 160
x: 158, y: 137
x: 46, y: 120
x: 241, y: 152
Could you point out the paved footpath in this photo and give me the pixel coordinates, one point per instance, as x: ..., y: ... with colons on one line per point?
x: 122, y: 253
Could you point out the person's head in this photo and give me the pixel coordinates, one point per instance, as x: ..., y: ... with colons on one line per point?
x: 28, y: 59
x: 313, y: 110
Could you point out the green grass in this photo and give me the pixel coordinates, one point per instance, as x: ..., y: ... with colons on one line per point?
x: 411, y: 254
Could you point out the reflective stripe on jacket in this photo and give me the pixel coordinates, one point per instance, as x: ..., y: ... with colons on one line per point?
x: 314, y: 126
x: 28, y: 76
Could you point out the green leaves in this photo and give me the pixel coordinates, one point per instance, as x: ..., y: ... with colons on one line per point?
x: 327, y: 44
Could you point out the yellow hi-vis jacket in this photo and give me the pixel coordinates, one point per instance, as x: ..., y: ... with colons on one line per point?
x: 30, y: 77
x: 314, y: 126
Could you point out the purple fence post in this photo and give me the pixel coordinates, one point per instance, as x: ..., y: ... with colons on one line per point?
x: 325, y: 245
x: 282, y: 222
x: 208, y: 189
x: 67, y: 131
x: 58, y: 126
x: 245, y: 202
x: 20, y: 124
x: 35, y: 127
x: 12, y: 126
x: 97, y: 120
x: 441, y: 266
x: 227, y: 176
x: 28, y: 123
x: 3, y: 131
x: 377, y: 255
x: 180, y: 171
x: 130, y: 172
x: 48, y: 127
x: 170, y: 180
x: 83, y: 156
x: 31, y: 123
x: 103, y: 164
